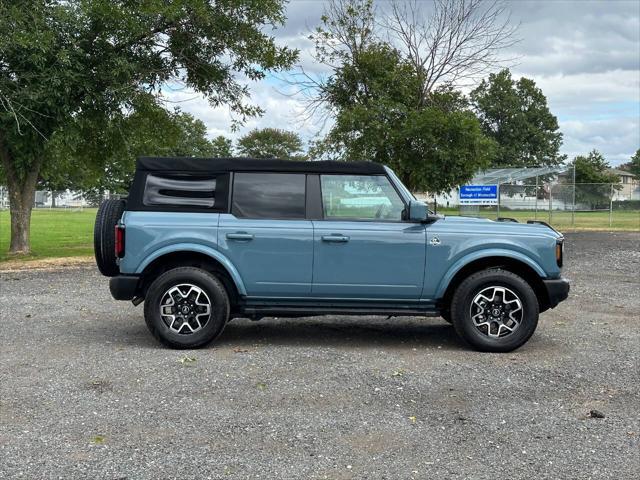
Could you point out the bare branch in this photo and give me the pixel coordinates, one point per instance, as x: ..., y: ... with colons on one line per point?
x: 459, y: 41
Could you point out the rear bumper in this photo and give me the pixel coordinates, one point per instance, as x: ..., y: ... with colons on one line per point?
x: 124, y: 287
x: 557, y: 290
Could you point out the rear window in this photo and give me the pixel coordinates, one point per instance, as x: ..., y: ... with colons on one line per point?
x: 180, y: 191
x: 269, y: 195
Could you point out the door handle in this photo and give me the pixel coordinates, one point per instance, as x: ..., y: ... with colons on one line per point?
x: 335, y: 238
x: 240, y: 236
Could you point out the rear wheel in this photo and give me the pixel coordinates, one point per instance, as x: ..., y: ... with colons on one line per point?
x: 104, y: 237
x: 495, y: 310
x: 186, y: 307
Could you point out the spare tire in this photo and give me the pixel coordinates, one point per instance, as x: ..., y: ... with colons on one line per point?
x: 104, y: 236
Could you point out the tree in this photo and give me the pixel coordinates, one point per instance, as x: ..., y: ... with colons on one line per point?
x: 457, y: 42
x: 447, y: 42
x: 221, y: 147
x: 593, y: 180
x: 72, y: 67
x: 432, y: 148
x: 147, y: 130
x: 271, y: 143
x: 633, y: 165
x: 515, y: 114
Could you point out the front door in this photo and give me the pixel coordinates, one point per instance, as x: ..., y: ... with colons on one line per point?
x: 266, y: 235
x: 362, y: 247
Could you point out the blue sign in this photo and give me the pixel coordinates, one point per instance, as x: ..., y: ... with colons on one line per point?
x: 479, y: 195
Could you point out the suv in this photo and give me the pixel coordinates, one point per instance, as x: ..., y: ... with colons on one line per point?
x: 202, y: 241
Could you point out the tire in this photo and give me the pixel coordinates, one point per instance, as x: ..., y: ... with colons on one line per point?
x: 446, y: 315
x: 499, y: 333
x: 193, y: 332
x: 104, y: 238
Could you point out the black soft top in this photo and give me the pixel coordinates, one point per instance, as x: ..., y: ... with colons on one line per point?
x: 219, y: 165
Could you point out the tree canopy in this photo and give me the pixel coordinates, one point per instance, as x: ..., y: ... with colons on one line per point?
x: 221, y: 146
x: 271, y: 143
x: 633, y: 165
x: 380, y: 116
x: 73, y: 67
x: 515, y: 114
x: 592, y: 171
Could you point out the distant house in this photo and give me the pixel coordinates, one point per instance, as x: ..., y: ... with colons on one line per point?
x: 630, y: 186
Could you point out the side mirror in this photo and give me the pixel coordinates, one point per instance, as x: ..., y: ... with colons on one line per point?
x: 418, y: 211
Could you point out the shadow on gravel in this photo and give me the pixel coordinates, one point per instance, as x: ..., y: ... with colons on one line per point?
x: 341, y: 333
x: 315, y: 332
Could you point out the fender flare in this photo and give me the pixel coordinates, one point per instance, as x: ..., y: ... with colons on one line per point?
x: 196, y: 248
x: 478, y: 255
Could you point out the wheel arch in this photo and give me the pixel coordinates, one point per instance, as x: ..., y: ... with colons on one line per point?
x: 195, y: 256
x: 525, y: 269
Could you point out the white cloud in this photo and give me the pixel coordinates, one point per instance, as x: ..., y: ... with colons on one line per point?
x: 616, y: 138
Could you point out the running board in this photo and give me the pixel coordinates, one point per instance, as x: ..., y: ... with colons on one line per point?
x: 347, y: 308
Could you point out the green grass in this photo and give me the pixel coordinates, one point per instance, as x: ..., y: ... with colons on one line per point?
x: 69, y: 233
x: 54, y: 233
x: 626, y: 220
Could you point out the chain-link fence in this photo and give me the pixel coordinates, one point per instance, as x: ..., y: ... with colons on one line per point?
x: 66, y: 199
x: 581, y: 205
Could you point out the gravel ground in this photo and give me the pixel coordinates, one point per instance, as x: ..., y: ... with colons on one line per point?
x: 85, y: 392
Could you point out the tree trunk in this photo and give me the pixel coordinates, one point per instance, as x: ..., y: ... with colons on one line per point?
x: 21, y: 202
x: 22, y: 189
x: 53, y: 199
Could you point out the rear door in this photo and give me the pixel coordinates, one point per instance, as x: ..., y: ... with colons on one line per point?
x: 266, y: 235
x: 363, y: 248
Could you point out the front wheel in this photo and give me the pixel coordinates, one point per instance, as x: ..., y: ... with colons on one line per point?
x: 186, y: 307
x: 495, y: 310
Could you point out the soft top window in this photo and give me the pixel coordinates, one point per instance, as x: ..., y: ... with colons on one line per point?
x: 269, y: 195
x: 180, y: 191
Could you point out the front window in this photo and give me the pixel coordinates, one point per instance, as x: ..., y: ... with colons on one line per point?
x: 360, y: 197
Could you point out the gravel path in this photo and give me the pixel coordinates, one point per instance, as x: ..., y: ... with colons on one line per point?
x: 85, y: 392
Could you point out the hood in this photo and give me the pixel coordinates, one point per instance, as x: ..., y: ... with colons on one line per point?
x: 475, y: 224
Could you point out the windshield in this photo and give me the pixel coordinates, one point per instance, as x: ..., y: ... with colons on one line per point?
x: 404, y: 191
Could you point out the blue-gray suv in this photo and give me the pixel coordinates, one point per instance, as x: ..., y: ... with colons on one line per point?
x: 203, y: 241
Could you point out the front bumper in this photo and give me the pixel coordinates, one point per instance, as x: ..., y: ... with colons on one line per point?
x: 557, y: 290
x: 124, y: 287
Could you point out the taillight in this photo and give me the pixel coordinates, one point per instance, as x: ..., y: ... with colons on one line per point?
x: 559, y: 251
x: 119, y: 243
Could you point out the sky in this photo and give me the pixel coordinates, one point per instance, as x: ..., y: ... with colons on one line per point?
x: 583, y: 54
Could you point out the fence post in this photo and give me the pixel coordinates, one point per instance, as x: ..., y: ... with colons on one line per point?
x: 573, y: 203
x: 611, y: 207
x: 498, y: 193
x: 535, y: 214
x: 550, y: 201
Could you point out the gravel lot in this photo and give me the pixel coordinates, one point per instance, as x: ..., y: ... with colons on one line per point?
x: 85, y: 392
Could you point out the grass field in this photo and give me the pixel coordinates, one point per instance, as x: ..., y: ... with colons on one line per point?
x: 69, y: 233
x: 624, y: 220
x: 54, y: 233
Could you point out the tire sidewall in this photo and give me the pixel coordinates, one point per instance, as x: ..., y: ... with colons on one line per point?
x: 109, y: 212
x: 200, y: 278
x: 463, y: 299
